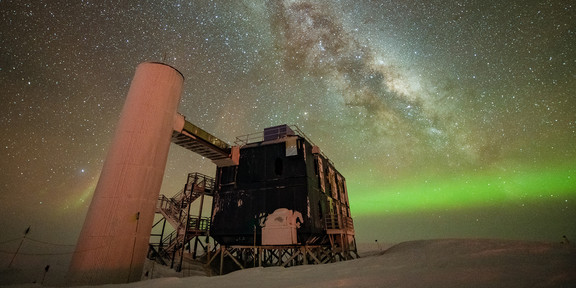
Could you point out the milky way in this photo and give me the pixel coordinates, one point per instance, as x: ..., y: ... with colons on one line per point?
x: 374, y: 93
x: 448, y: 119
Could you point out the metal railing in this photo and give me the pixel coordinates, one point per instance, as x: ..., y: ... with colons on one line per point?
x: 201, y: 181
x: 259, y: 137
x: 198, y: 224
x: 175, y: 210
x: 337, y: 223
x: 169, y: 206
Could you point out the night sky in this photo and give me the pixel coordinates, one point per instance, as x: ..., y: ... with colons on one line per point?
x: 447, y: 118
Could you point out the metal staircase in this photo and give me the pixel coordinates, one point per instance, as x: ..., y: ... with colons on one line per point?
x: 177, y: 212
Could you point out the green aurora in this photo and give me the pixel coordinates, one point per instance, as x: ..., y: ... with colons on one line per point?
x: 468, y: 191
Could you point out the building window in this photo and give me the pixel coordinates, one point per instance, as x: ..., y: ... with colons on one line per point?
x: 278, y: 166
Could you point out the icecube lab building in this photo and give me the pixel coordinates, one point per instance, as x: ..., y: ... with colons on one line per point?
x: 283, y: 191
x: 277, y: 200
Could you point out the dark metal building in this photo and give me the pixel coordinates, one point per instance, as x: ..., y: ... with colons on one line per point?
x: 284, y: 191
x: 276, y: 200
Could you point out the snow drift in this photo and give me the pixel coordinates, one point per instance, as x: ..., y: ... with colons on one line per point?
x: 424, y: 263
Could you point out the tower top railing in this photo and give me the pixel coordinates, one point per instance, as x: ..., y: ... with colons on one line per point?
x: 273, y: 133
x: 269, y: 132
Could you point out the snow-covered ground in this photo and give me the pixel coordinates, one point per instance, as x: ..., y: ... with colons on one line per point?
x: 424, y: 263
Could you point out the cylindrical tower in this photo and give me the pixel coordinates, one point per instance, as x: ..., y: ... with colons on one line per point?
x: 113, y: 243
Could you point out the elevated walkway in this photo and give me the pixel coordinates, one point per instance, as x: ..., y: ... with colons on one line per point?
x: 195, y: 139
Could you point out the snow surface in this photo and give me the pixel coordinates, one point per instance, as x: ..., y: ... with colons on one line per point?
x: 423, y: 263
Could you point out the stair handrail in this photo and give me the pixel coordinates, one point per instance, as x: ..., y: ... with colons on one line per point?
x: 175, y: 209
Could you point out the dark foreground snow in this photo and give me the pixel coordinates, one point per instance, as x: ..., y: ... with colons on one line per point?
x: 425, y: 263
